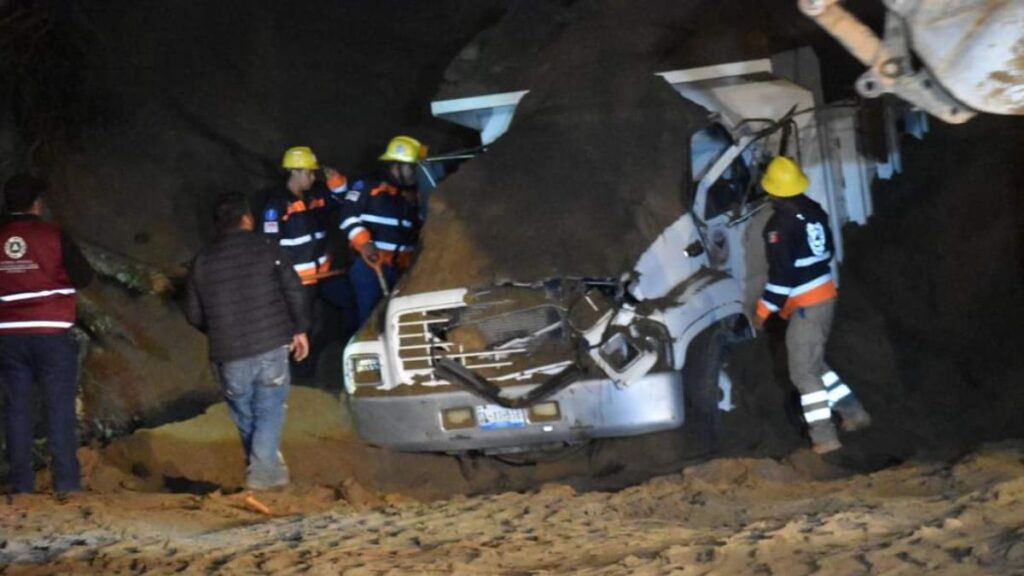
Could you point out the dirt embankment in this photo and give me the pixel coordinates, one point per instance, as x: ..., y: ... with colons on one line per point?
x: 203, y: 455
x: 932, y: 301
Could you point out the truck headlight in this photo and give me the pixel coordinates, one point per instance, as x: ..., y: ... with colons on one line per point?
x: 364, y: 370
x: 545, y: 412
x: 456, y: 418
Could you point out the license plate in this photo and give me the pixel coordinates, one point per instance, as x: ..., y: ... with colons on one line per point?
x: 498, y: 417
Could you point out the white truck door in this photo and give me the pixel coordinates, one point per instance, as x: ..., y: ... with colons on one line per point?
x: 732, y: 210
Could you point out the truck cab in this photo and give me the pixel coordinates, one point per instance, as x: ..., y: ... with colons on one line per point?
x: 525, y: 367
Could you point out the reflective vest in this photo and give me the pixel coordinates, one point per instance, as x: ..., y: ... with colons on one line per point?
x: 374, y: 210
x: 36, y: 294
x: 299, y: 226
x: 799, y: 245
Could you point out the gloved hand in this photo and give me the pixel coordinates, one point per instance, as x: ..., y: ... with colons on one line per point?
x: 759, y: 323
x: 370, y: 254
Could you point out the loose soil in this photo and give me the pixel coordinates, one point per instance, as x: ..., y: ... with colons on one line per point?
x: 791, y: 515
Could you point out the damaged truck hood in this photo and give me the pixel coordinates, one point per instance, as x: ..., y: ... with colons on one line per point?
x: 594, y: 167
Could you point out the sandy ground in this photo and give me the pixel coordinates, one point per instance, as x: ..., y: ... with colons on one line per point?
x: 791, y: 515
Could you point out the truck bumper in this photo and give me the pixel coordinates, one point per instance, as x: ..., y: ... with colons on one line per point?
x: 587, y: 409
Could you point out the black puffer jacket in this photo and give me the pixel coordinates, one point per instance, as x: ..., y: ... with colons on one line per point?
x: 243, y: 293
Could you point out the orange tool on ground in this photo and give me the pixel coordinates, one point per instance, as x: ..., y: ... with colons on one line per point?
x: 251, y: 501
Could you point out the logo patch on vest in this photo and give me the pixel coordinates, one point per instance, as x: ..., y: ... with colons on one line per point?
x: 270, y: 225
x: 15, y: 247
x: 816, y: 238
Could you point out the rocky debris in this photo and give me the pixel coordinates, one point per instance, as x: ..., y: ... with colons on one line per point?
x: 144, y: 364
x: 133, y: 275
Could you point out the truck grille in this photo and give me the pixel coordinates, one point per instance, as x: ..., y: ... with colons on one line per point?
x: 505, y: 346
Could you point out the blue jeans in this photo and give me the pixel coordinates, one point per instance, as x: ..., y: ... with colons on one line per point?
x: 366, y: 287
x: 51, y: 362
x: 256, y: 389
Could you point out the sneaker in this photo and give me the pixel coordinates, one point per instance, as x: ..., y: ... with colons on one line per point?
x: 268, y: 481
x: 264, y: 487
x: 824, y: 438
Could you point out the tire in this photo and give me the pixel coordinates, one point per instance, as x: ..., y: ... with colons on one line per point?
x: 700, y: 384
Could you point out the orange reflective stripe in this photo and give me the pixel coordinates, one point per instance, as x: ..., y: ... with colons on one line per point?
x: 326, y: 266
x: 318, y: 203
x: 762, y: 310
x: 307, y: 276
x: 360, y: 239
x: 294, y: 207
x: 823, y: 293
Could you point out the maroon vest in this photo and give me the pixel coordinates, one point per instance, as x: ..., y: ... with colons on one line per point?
x: 36, y: 295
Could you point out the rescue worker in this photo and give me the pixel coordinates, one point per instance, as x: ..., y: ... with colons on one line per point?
x: 297, y: 218
x: 800, y: 288
x: 380, y: 216
x: 40, y: 270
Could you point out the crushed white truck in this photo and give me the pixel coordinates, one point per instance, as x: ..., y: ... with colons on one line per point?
x: 530, y: 366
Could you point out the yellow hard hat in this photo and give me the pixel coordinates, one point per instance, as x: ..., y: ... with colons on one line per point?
x: 298, y: 158
x: 403, y: 149
x: 784, y: 178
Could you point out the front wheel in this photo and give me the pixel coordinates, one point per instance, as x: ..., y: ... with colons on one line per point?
x: 704, y: 362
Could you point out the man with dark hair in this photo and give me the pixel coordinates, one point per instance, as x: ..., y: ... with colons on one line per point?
x: 229, y: 210
x: 40, y: 270
x: 243, y: 293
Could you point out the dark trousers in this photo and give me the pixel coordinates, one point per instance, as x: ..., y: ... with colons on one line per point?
x: 332, y: 311
x: 366, y: 286
x: 337, y: 291
x: 48, y: 363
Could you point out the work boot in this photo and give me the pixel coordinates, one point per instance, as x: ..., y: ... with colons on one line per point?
x: 824, y: 438
x: 854, y: 416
